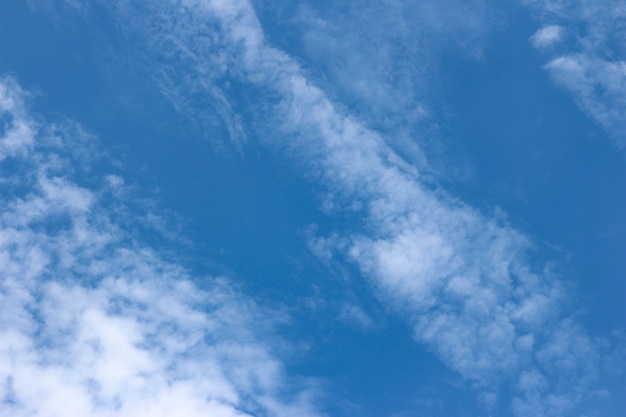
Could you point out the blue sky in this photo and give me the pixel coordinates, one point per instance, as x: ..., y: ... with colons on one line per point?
x: 312, y: 208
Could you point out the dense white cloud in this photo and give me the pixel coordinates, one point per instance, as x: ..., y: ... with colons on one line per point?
x: 593, y: 66
x: 93, y: 323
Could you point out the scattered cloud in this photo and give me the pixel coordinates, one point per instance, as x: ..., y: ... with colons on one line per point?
x: 93, y: 322
x: 463, y: 280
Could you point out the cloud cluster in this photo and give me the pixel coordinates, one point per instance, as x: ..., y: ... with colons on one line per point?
x: 93, y: 322
x: 592, y: 66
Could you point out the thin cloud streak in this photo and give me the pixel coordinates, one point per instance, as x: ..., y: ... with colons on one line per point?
x: 92, y: 322
x: 463, y: 280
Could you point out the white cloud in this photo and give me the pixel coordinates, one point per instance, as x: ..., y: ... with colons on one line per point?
x: 355, y: 315
x: 379, y: 55
x: 463, y: 280
x: 593, y: 68
x: 17, y: 132
x: 133, y: 346
x: 93, y: 323
x: 547, y: 36
x: 598, y: 87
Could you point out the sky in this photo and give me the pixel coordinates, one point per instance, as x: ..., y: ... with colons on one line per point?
x: 306, y: 208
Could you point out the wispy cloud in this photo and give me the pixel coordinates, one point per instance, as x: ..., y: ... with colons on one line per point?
x: 464, y: 280
x: 17, y: 131
x: 93, y: 322
x: 381, y: 60
x: 547, y: 36
x: 592, y: 66
x: 355, y: 315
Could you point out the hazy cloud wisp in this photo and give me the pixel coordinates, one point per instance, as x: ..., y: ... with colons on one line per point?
x: 590, y: 60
